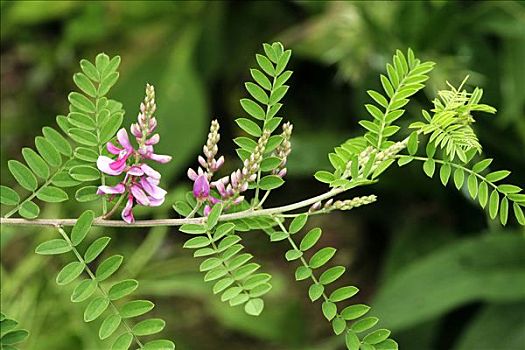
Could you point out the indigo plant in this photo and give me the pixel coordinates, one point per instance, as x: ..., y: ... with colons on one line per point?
x: 91, y: 154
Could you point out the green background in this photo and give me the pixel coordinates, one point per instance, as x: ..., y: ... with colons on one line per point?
x: 438, y: 273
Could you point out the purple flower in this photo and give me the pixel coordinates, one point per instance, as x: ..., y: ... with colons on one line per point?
x: 201, y: 187
x: 141, y: 182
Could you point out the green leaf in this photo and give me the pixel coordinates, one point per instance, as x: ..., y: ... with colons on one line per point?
x: 459, y: 178
x: 69, y: 273
x: 107, y: 83
x: 331, y: 274
x: 110, y: 127
x: 444, y: 173
x: 123, y: 288
x: 310, y: 239
x: 89, y: 69
x: 84, y: 173
x: 493, y: 204
x: 258, y: 93
x: 57, y: 140
x: 136, y: 308
x: 329, y: 310
x: 101, y: 62
x: 150, y: 326
x: 302, y: 273
x: 429, y: 166
x: 338, y: 325
x: 109, y: 326
x: 48, y: 151
x: 265, y: 64
x: 293, y: 254
x: 321, y: 257
x: 380, y: 99
x: 108, y: 267
x: 343, y: 293
x: 223, y: 230
x: 283, y: 61
x: 87, y: 194
x: 324, y: 176
x: 83, y: 137
x: 412, y: 143
x: 249, y: 126
x: 8, y: 196
x: 81, y: 102
x: 84, y: 84
x: 83, y: 290
x: 95, y: 308
x: 82, y: 227
x: 518, y: 212
x: 261, y: 79
x: 193, y: 229
x: 14, y: 337
x: 213, y: 217
x: 36, y: 163
x: 197, y: 242
x: 354, y: 311
x: 7, y: 325
x: 483, y: 194
x: 53, y: 247
x: 23, y: 175
x: 352, y: 342
x: 52, y: 194
x: 472, y: 183
x: 270, y: 182
x: 29, y: 210
x: 298, y: 223
x: 123, y: 342
x: 377, y: 336
x: 497, y: 175
x: 96, y: 248
x: 481, y: 165
x: 254, y: 307
x: 81, y: 120
x: 364, y: 324
x: 159, y: 344
x: 315, y: 291
x: 504, y: 211
x: 277, y: 94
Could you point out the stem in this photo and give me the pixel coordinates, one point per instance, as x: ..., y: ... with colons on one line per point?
x: 114, y: 209
x: 34, y: 194
x: 190, y: 215
x: 178, y: 222
x: 93, y: 277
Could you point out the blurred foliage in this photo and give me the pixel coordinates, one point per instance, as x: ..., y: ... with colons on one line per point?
x: 463, y: 274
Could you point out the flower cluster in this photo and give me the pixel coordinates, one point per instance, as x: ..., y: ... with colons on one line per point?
x: 229, y: 188
x: 141, y: 182
x: 347, y: 204
x: 283, y: 150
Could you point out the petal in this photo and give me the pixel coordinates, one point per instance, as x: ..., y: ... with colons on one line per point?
x: 150, y: 171
x: 139, y: 195
x: 112, y: 148
x: 153, y: 190
x: 156, y: 202
x: 119, y: 164
x: 192, y: 174
x: 207, y: 210
x: 123, y: 139
x: 159, y: 158
x: 201, y: 187
x: 127, y: 213
x: 135, y: 170
x: 119, y: 188
x: 153, y: 140
x: 103, y: 164
x: 135, y: 130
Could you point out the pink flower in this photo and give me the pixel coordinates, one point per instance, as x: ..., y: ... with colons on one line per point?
x: 116, y: 167
x: 127, y: 213
x: 201, y: 187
